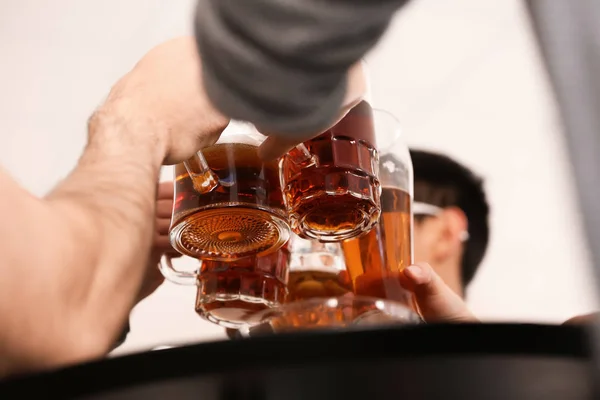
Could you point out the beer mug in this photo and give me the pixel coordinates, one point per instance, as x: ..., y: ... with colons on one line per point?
x: 375, y: 260
x: 231, y: 293
x: 228, y: 202
x: 334, y: 195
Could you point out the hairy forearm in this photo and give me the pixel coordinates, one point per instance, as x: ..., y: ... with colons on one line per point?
x: 92, y: 235
x: 108, y: 202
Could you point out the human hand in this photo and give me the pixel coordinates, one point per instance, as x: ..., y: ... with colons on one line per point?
x: 161, y: 244
x: 434, y: 299
x: 277, y: 145
x: 164, y: 96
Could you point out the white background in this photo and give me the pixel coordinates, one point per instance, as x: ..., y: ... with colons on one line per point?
x: 463, y: 76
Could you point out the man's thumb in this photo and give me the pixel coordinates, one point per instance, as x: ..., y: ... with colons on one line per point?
x: 435, y: 300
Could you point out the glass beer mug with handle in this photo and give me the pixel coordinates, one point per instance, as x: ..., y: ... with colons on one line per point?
x: 228, y: 212
x: 336, y: 196
x: 228, y: 202
x: 231, y: 293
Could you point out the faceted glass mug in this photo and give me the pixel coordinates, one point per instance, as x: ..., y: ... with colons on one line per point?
x: 228, y: 202
x: 231, y: 293
x: 334, y: 194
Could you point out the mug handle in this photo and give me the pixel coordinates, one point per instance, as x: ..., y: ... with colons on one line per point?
x: 179, y: 277
x: 302, y: 156
x: 203, y: 178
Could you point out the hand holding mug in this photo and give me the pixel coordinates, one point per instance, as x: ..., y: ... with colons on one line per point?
x: 165, y: 92
x: 277, y: 144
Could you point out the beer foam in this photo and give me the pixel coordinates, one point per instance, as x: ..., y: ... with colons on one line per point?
x: 241, y: 132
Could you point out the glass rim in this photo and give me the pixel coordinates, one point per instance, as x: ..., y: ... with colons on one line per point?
x: 394, y: 137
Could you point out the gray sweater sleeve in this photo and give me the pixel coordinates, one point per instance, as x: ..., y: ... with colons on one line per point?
x: 281, y: 64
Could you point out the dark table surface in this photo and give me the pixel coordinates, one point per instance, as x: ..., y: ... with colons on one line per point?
x: 503, y: 361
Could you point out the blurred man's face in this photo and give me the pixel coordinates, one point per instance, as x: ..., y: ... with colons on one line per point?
x: 424, y: 239
x: 427, y: 229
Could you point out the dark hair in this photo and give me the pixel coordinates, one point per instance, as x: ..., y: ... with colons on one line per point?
x: 443, y: 182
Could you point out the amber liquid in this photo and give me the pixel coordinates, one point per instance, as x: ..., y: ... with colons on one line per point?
x: 338, y: 312
x: 338, y: 197
x: 309, y: 284
x: 243, y: 216
x: 230, y: 292
x: 374, y: 261
x: 313, y: 317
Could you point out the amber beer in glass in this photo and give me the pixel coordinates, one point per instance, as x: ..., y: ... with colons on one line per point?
x: 375, y: 260
x: 230, y: 292
x: 228, y: 212
x: 334, y: 195
x: 235, y: 208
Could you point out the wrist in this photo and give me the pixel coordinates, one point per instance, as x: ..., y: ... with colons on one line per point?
x: 115, y: 130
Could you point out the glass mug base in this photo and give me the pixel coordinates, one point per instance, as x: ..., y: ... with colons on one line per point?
x: 345, y: 312
x: 231, y: 298
x: 334, y: 215
x: 229, y: 233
